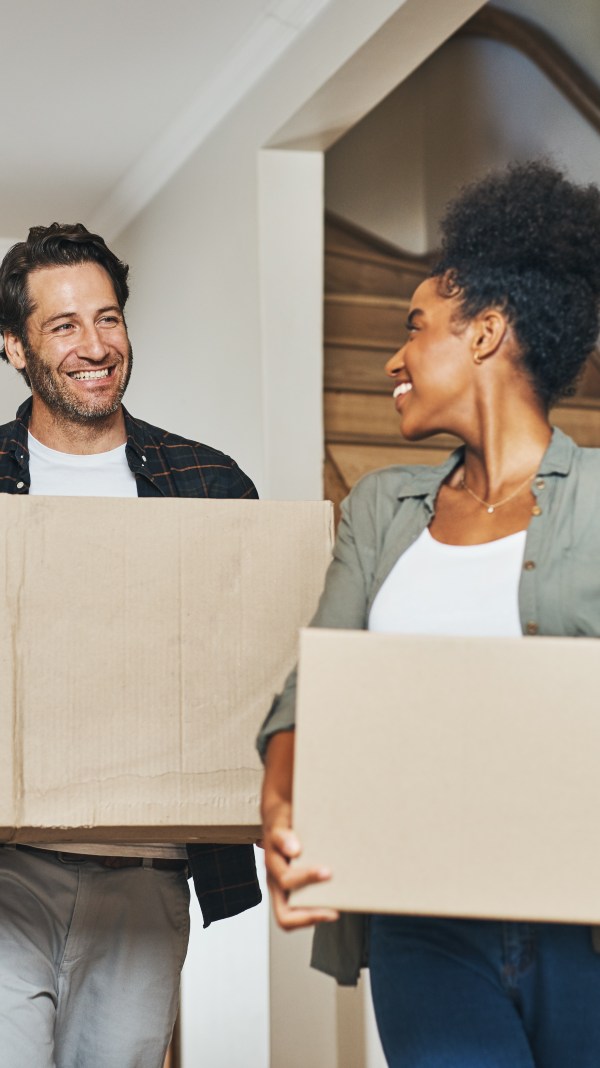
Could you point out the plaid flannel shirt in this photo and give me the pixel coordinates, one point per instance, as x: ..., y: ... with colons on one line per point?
x: 165, y: 465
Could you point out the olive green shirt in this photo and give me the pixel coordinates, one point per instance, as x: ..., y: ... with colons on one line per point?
x: 559, y: 589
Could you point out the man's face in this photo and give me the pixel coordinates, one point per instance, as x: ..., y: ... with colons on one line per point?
x: 76, y: 352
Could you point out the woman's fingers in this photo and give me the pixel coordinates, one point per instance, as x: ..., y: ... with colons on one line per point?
x: 284, y: 841
x: 292, y: 916
x: 281, y: 843
x: 282, y: 846
x: 294, y: 878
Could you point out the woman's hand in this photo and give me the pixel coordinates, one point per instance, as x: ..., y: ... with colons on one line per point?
x: 281, y: 844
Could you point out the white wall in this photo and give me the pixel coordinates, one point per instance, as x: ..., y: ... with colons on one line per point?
x: 501, y: 108
x: 12, y: 394
x: 195, y: 306
x: 13, y: 390
x: 229, y: 957
x: 474, y: 105
x: 375, y: 175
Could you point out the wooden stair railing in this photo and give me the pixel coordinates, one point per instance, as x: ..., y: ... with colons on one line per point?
x: 558, y: 66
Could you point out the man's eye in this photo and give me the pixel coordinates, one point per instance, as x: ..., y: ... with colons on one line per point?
x: 62, y: 327
x: 110, y: 320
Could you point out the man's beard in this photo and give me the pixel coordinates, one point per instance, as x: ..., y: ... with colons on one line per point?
x: 49, y: 386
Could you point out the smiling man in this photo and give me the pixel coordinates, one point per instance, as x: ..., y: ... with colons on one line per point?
x: 93, y: 938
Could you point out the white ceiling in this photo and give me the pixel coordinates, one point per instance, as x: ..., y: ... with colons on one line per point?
x: 91, y: 87
x: 104, y: 99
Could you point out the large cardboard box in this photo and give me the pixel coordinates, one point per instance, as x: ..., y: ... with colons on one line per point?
x: 450, y: 776
x: 141, y: 643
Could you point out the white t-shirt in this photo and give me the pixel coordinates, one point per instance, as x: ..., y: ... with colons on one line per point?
x: 440, y: 589
x: 103, y: 474
x: 66, y: 474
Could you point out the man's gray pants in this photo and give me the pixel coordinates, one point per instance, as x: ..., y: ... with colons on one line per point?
x: 90, y: 960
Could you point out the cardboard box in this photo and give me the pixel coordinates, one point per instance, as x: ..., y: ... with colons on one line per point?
x: 450, y: 776
x: 141, y: 643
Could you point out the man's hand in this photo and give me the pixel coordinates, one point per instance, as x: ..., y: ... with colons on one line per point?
x: 281, y: 844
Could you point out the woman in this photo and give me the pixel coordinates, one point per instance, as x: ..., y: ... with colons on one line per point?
x: 502, y: 539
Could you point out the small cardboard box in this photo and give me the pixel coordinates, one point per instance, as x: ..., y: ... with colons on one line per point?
x: 141, y: 643
x: 450, y: 776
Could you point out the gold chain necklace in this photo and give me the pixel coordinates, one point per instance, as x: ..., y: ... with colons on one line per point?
x: 491, y: 508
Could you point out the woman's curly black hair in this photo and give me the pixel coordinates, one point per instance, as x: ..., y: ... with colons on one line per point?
x: 527, y: 240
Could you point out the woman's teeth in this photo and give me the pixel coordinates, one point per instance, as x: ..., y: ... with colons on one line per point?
x: 401, y: 389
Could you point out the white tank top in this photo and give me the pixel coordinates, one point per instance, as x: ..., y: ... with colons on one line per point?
x: 439, y: 589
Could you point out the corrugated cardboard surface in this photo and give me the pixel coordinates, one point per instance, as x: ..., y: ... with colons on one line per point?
x: 450, y: 776
x: 141, y: 643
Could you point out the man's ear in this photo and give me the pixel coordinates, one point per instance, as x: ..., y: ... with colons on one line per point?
x: 15, y: 352
x: 489, y: 332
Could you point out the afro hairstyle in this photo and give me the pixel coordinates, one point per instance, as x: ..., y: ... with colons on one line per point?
x: 527, y: 240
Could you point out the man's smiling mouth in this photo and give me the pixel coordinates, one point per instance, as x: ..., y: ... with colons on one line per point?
x: 80, y: 376
x: 401, y: 389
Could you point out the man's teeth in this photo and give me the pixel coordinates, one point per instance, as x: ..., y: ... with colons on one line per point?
x: 82, y: 375
x: 401, y: 389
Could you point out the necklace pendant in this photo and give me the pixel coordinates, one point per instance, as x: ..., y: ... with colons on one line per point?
x: 490, y: 509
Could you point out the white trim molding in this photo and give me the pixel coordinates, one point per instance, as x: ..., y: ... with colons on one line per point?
x: 258, y: 50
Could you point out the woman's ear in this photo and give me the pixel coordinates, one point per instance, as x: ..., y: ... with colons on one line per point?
x: 489, y: 331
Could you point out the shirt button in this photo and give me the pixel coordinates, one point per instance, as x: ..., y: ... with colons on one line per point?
x: 536, y: 510
x: 144, y: 459
x: 20, y: 485
x: 540, y: 483
x: 529, y: 565
x: 532, y: 628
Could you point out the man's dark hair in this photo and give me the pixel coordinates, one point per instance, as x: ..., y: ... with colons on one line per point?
x: 57, y: 245
x: 527, y: 240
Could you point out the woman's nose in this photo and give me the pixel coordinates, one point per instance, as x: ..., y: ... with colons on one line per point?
x: 395, y: 363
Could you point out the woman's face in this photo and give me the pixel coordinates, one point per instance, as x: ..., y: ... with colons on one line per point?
x: 433, y: 371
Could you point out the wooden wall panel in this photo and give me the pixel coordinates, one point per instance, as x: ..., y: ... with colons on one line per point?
x: 365, y: 317
x: 369, y: 419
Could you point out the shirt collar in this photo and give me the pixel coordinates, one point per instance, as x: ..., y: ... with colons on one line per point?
x: 24, y: 416
x: 134, y: 436
x: 425, y: 481
x: 19, y: 444
x: 558, y: 457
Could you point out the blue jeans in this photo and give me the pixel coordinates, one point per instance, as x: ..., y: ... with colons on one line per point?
x: 485, y: 994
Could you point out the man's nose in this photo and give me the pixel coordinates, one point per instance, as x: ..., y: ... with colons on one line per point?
x: 92, y: 346
x: 395, y: 363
